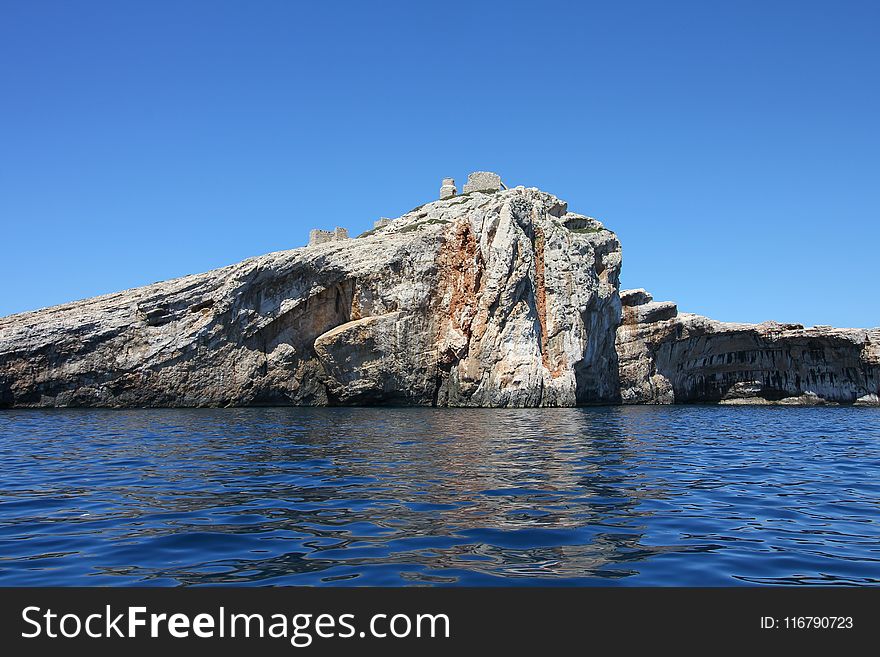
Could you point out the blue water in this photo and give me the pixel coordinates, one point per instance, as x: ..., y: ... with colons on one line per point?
x: 696, y: 495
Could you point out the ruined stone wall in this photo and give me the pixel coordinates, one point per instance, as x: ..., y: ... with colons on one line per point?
x: 318, y: 236
x: 482, y: 181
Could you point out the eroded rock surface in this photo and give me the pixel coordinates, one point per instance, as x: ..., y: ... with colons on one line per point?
x: 495, y: 297
x: 485, y: 299
x: 670, y: 357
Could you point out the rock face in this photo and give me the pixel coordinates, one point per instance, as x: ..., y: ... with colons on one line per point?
x: 495, y: 297
x: 667, y: 357
x: 486, y: 299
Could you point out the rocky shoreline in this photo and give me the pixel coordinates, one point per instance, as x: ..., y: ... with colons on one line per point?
x: 496, y: 297
x: 669, y: 357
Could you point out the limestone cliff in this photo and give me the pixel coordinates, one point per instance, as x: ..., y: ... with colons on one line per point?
x: 667, y: 357
x: 498, y: 298
x: 495, y: 297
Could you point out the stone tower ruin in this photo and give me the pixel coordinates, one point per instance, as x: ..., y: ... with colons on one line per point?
x: 447, y: 188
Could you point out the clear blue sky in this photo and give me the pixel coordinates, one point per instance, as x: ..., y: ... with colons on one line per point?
x: 733, y: 146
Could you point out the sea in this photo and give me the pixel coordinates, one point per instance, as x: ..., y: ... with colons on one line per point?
x: 597, y: 496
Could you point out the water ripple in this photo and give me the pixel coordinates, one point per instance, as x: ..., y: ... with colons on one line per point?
x: 700, y: 496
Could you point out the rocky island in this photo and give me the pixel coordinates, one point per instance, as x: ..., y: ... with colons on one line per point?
x: 491, y: 297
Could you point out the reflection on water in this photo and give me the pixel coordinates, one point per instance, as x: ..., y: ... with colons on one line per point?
x: 609, y: 496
